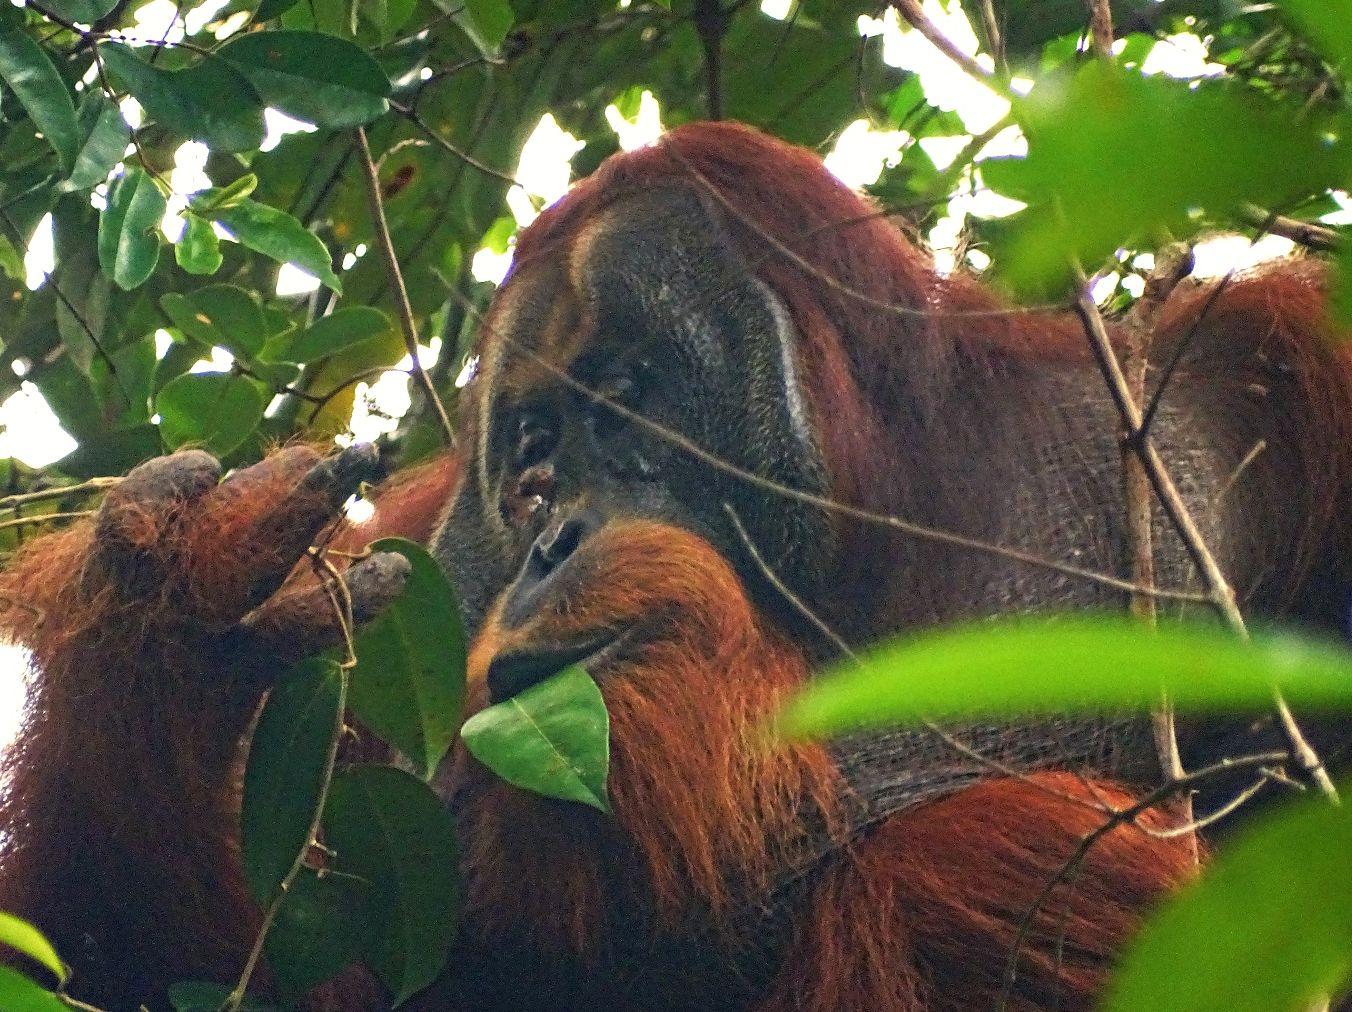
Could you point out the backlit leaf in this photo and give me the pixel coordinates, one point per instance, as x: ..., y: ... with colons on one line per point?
x: 221, y: 316
x: 287, y: 760
x: 1267, y: 928
x: 103, y: 139
x: 312, y: 76
x: 391, y: 830
x: 552, y: 738
x: 341, y: 329
x: 30, y: 75
x: 19, y: 994
x: 408, y: 684
x: 198, y: 250
x: 21, y: 936
x: 129, y: 237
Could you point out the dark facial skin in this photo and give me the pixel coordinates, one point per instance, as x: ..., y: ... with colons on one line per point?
x: 653, y: 309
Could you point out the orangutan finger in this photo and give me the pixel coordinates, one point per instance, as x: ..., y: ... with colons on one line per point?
x: 296, y: 625
x: 288, y: 528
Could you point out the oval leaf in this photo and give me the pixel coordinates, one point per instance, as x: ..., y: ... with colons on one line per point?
x: 409, y: 681
x: 391, y: 830
x: 552, y: 738
x: 83, y: 12
x: 340, y: 329
x: 32, y: 77
x: 314, y: 77
x: 104, y: 136
x: 129, y: 240
x: 1278, y: 898
x: 287, y: 761
x: 209, y: 101
x: 1025, y: 666
x: 277, y: 235
x: 221, y: 316
x: 19, y: 994
x: 214, y: 410
x: 21, y: 936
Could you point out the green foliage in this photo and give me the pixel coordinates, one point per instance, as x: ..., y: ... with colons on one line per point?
x: 19, y: 994
x: 408, y: 684
x: 1268, y: 928
x: 1103, y: 664
x: 288, y: 760
x: 31, y: 76
x: 128, y: 245
x: 22, y: 937
x: 552, y: 738
x: 390, y: 830
x: 214, y: 410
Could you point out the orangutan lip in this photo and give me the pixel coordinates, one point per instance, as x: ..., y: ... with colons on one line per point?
x: 513, y: 671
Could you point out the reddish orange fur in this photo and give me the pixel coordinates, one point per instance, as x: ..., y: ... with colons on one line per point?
x: 719, y: 807
x: 922, y: 915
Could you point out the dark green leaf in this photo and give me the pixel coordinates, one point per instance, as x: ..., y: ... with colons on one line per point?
x: 408, y: 684
x: 104, y: 135
x: 82, y: 12
x: 214, y: 410
x: 1018, y: 667
x: 278, y: 235
x: 270, y: 9
x: 329, y: 334
x: 199, y: 996
x: 391, y: 830
x: 36, y: 84
x: 220, y: 316
x: 129, y: 238
x: 209, y: 101
x: 23, y: 937
x: 115, y: 451
x: 312, y: 76
x: 287, y: 761
x: 317, y: 931
x: 199, y: 249
x: 1268, y: 927
x: 19, y: 994
x: 552, y: 738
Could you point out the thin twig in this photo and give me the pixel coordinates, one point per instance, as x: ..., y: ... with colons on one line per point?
x: 58, y: 492
x: 410, y: 327
x: 43, y: 518
x: 915, y: 15
x: 1302, y: 233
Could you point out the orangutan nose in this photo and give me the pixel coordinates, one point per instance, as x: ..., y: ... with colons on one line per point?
x: 555, y: 546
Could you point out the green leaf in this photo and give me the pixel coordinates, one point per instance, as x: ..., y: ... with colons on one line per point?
x: 214, y: 410
x: 35, y: 82
x: 277, y: 235
x: 1325, y: 23
x: 340, y: 329
x: 200, y: 996
x: 270, y: 9
x: 486, y: 22
x: 104, y: 135
x: 318, y: 930
x: 209, y: 101
x: 21, y: 936
x: 312, y: 76
x: 391, y: 830
x: 287, y: 760
x: 552, y: 738
x: 1088, y: 196
x: 82, y: 12
x: 199, y: 249
x: 19, y: 994
x: 409, y: 681
x: 219, y: 197
x: 129, y: 240
x: 220, y: 316
x: 1267, y: 928
x: 1018, y: 667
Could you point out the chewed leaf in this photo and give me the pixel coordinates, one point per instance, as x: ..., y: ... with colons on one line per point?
x: 552, y: 738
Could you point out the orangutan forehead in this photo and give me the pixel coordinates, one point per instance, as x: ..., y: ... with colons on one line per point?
x: 538, y: 327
